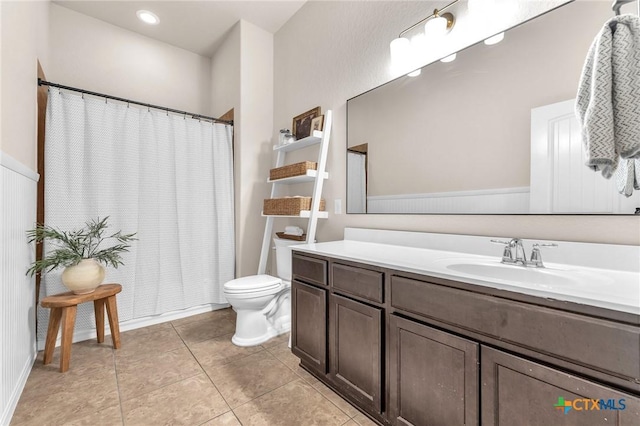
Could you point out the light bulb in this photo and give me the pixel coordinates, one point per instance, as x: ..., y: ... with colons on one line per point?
x: 481, y: 6
x: 400, y: 53
x: 415, y: 73
x: 495, y: 39
x: 449, y: 58
x: 148, y: 17
x: 435, y: 27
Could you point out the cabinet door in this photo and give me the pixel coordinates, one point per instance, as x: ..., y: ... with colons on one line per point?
x: 309, y: 325
x: 516, y: 391
x: 356, y: 350
x: 433, y: 376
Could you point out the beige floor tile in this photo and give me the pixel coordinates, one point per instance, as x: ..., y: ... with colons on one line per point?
x: 276, y: 341
x: 163, y: 339
x: 189, y: 402
x: 283, y: 353
x: 199, y: 331
x: 294, y: 404
x: 227, y: 419
x: 304, y: 374
x: 144, y: 330
x: 220, y: 351
x: 227, y: 313
x: 137, y: 376
x: 336, y: 399
x: 350, y: 423
x: 45, y: 400
x: 111, y: 416
x: 84, y: 355
x: 250, y: 377
x: 363, y: 420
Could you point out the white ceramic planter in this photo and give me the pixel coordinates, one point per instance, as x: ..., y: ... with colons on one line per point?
x: 84, y: 277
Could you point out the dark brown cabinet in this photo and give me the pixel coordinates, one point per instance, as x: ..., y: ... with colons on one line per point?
x: 409, y: 349
x: 516, y: 391
x: 433, y: 377
x: 355, y: 341
x: 309, y: 325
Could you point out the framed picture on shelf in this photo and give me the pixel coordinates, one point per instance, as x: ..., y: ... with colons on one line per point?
x: 302, y: 123
x: 317, y: 123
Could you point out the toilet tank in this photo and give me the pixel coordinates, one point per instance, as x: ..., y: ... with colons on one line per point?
x: 283, y: 257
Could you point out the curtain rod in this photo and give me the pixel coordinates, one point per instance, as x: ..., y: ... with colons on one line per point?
x: 42, y: 82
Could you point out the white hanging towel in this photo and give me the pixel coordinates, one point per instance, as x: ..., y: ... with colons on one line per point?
x: 608, y: 100
x: 293, y: 230
x: 628, y: 177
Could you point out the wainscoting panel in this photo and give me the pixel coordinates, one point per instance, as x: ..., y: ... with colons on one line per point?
x: 500, y: 200
x: 18, y: 186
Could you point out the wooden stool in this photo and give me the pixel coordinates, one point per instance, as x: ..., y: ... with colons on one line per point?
x: 65, y: 306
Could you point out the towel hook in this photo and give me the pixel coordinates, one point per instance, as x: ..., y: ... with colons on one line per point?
x: 617, y: 4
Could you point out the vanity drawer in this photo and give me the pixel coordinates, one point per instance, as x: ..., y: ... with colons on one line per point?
x: 309, y: 269
x: 603, y: 345
x: 359, y: 282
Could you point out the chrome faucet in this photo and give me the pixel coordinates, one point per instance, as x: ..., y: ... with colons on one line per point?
x: 514, y: 248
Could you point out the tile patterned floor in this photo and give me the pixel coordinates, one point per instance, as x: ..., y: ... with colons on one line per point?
x: 184, y: 372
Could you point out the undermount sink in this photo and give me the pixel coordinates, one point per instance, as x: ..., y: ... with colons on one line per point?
x: 545, y: 278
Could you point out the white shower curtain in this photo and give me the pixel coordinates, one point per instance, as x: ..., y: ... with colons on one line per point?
x: 357, y: 183
x: 169, y: 178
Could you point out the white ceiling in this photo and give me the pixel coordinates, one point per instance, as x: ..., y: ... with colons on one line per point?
x: 197, y: 26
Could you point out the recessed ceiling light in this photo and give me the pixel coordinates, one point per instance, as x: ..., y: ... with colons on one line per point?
x: 148, y: 17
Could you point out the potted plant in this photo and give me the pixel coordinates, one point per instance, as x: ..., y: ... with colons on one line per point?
x: 78, y: 252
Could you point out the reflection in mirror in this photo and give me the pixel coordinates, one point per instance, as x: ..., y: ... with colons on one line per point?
x: 357, y: 168
x: 493, y: 132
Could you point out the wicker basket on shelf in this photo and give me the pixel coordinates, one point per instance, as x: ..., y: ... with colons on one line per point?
x: 284, y: 236
x: 291, y: 170
x: 288, y: 206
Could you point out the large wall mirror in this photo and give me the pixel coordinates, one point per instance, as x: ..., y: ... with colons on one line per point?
x: 493, y: 132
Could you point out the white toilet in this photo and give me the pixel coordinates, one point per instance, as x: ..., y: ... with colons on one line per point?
x: 262, y: 302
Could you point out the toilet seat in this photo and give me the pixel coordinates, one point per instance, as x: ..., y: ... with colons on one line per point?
x: 263, y: 284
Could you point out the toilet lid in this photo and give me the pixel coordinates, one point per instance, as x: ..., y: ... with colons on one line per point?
x: 252, y: 283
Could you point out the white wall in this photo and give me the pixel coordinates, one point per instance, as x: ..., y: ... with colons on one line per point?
x: 242, y: 78
x: 225, y: 74
x: 23, y: 42
x: 346, y: 52
x: 24, y: 27
x: 91, y: 54
x: 255, y: 124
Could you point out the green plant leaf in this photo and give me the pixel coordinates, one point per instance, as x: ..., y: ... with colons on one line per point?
x: 70, y: 247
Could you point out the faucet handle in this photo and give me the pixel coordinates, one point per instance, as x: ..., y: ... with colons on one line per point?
x: 506, y: 243
x: 536, y: 257
x: 507, y: 255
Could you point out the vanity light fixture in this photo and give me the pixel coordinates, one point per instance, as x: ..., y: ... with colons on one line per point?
x: 449, y: 58
x: 148, y: 17
x: 494, y: 39
x: 484, y: 9
x: 435, y: 25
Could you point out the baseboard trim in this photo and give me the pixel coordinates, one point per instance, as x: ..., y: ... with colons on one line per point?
x: 82, y: 335
x: 5, y: 419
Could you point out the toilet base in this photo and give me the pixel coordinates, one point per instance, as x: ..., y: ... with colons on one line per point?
x: 256, y: 326
x: 241, y: 339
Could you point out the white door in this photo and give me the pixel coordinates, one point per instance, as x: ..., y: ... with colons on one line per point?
x: 560, y: 181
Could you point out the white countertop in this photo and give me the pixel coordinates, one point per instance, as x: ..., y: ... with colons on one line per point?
x: 616, y: 289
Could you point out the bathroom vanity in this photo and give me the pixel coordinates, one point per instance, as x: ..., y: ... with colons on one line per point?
x: 406, y: 337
